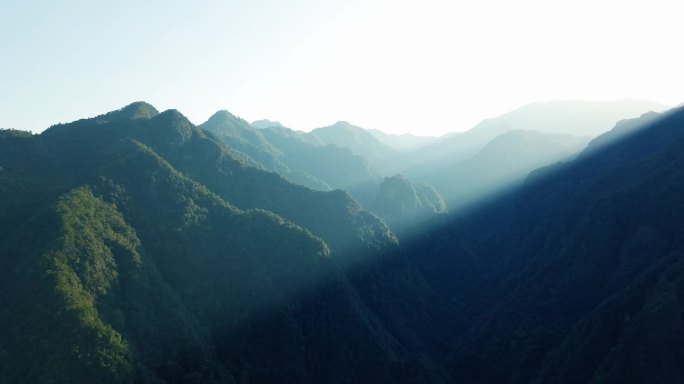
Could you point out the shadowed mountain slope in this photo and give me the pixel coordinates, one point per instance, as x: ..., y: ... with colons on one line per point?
x: 405, y: 207
x: 140, y: 248
x: 578, y: 276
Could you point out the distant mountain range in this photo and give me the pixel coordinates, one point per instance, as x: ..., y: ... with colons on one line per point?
x: 465, y: 166
x: 405, y: 142
x: 358, y: 140
x: 503, y: 163
x: 301, y: 158
x: 576, y: 118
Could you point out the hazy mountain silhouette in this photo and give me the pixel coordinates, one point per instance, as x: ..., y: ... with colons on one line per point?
x: 265, y: 123
x: 339, y: 167
x: 359, y: 140
x: 577, y: 118
x: 503, y: 163
x: 289, y: 141
x: 299, y: 157
x: 403, y: 142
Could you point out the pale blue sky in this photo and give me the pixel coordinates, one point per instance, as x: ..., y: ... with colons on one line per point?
x: 422, y: 66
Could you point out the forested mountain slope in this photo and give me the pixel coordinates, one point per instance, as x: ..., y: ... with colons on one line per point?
x: 141, y: 249
x: 299, y: 157
x: 578, y: 277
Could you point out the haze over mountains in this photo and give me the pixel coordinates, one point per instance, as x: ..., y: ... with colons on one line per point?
x: 577, y: 118
x: 502, y: 162
x: 141, y: 248
x: 465, y: 166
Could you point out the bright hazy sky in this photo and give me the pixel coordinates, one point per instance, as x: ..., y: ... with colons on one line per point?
x: 425, y: 67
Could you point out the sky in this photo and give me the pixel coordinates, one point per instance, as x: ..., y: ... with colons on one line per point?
x: 427, y: 67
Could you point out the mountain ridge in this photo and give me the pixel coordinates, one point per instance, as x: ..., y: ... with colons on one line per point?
x: 563, y: 264
x: 147, y: 250
x: 220, y: 270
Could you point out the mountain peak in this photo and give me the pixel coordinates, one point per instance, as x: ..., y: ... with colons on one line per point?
x: 136, y: 110
x: 576, y: 117
x: 173, y: 115
x: 222, y: 115
x: 265, y: 123
x: 344, y: 124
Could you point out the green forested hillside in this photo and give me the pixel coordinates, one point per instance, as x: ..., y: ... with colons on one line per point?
x: 130, y: 262
x: 139, y: 248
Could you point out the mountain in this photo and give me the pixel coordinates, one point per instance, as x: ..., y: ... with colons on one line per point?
x: 290, y: 141
x: 404, y: 142
x: 236, y: 130
x: 403, y: 206
x: 299, y: 157
x: 622, y: 129
x: 241, y: 137
x: 143, y: 249
x: 339, y: 167
x: 265, y: 123
x: 359, y: 141
x: 577, y: 118
x: 139, y: 248
x: 503, y: 163
x: 577, y: 277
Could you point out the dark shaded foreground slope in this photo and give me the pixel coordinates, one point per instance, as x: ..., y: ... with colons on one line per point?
x: 578, y: 277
